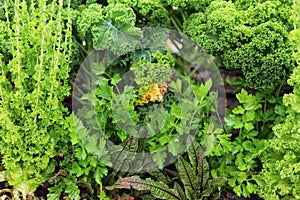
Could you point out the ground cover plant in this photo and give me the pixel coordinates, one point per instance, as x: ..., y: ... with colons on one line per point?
x: 120, y: 99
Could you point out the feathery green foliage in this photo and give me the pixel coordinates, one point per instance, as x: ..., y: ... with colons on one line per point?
x: 34, y: 81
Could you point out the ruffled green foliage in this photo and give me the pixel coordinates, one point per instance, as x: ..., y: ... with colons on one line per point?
x: 245, y: 4
x: 281, y: 162
x: 281, y: 169
x: 34, y: 81
x: 111, y: 27
x: 254, y: 40
x: 170, y: 14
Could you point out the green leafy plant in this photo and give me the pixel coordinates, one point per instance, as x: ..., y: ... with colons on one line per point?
x: 81, y: 166
x: 163, y: 117
x: 113, y: 112
x: 280, y: 163
x: 192, y: 180
x: 34, y: 82
x: 170, y: 14
x: 237, y: 153
x: 106, y: 25
x: 253, y: 40
x: 146, y: 102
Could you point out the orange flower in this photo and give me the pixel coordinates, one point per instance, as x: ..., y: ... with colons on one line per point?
x: 154, y: 94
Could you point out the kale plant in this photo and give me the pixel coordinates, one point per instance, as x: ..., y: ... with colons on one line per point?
x: 280, y: 163
x: 254, y: 40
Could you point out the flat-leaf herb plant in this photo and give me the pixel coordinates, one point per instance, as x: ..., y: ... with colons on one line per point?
x: 159, y: 111
x: 80, y: 167
x: 237, y: 154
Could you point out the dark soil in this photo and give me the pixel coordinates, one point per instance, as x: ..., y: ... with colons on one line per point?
x: 229, y: 195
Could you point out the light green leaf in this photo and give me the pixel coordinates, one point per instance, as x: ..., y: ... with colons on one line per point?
x: 242, y: 96
x: 175, y: 147
x: 99, y: 174
x: 238, y: 190
x: 209, y: 143
x: 249, y: 116
x: 248, y: 126
x: 233, y: 121
x: 202, y: 90
x: 250, y: 187
x: 115, y: 79
x: 238, y: 110
x: 176, y: 86
x: 159, y: 158
x: 248, y: 145
x: 259, y: 180
x: 81, y: 153
x: 176, y: 110
x: 232, y: 182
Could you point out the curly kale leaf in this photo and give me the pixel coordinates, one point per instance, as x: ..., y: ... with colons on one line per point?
x: 152, y: 13
x: 189, y: 4
x: 111, y: 28
x: 269, y: 51
x: 254, y: 40
x: 90, y: 17
x: 275, y: 11
x: 281, y: 169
